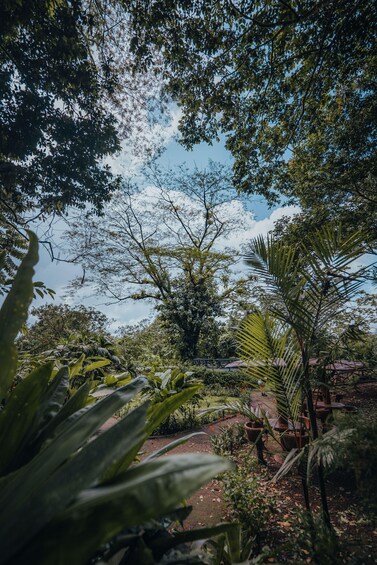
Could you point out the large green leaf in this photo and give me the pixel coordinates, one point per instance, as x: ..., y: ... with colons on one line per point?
x: 50, y: 407
x: 76, y: 367
x: 19, y: 415
x: 55, y: 396
x: 96, y: 365
x: 13, y: 315
x: 44, y: 496
x: 74, y: 405
x: 148, y: 490
x: 69, y: 437
x: 156, y: 414
x: 234, y: 542
x: 164, y: 544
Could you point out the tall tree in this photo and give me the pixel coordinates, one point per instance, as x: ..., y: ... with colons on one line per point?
x: 68, y: 99
x: 57, y: 322
x: 167, y: 244
x: 290, y: 84
x: 309, y: 287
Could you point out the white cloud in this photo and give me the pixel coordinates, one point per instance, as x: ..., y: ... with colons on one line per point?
x: 57, y: 275
x: 136, y: 150
x: 262, y: 227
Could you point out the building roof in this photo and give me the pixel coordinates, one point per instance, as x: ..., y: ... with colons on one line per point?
x: 340, y: 365
x: 242, y: 364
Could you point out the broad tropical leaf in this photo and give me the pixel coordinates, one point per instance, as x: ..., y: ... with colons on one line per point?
x: 43, y: 491
x: 13, y: 314
x: 146, y: 491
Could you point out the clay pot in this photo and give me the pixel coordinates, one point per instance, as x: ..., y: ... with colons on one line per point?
x: 254, y: 435
x: 280, y: 424
x: 292, y: 440
x: 322, y: 413
x: 254, y: 431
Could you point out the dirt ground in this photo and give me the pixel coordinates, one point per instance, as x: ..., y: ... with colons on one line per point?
x: 207, y: 502
x: 349, y: 522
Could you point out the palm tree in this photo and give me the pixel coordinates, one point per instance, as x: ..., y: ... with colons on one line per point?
x: 306, y: 288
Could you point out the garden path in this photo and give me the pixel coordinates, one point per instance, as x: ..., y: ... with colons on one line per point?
x: 207, y: 502
x: 209, y: 509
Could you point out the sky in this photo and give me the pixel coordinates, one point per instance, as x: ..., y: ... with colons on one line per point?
x: 256, y: 216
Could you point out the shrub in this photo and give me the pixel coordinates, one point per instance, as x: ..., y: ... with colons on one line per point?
x: 236, y: 380
x: 313, y: 540
x: 229, y: 439
x: 246, y: 501
x: 357, y: 456
x: 187, y: 418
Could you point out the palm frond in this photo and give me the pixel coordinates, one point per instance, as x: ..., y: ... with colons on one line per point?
x: 271, y: 357
x: 323, y: 451
x: 308, y: 286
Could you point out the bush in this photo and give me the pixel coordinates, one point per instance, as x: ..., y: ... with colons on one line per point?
x: 236, y: 380
x: 357, y: 456
x: 246, y: 501
x: 185, y: 419
x: 314, y: 542
x: 229, y: 439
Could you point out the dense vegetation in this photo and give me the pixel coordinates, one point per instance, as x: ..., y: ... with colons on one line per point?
x: 290, y: 87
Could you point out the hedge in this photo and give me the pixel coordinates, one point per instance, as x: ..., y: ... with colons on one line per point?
x: 213, y: 377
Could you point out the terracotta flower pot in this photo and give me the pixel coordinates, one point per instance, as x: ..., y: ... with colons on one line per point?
x: 322, y: 413
x: 254, y: 431
x: 280, y: 424
x: 292, y: 440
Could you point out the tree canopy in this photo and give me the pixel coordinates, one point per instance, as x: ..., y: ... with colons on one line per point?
x: 167, y: 244
x: 58, y: 322
x: 68, y: 100
x: 290, y: 84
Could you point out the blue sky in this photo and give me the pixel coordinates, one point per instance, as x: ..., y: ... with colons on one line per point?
x: 57, y: 275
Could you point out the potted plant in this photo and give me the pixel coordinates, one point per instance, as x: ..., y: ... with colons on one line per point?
x: 254, y: 427
x: 292, y: 439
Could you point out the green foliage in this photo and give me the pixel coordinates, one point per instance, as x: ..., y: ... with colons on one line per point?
x: 308, y: 287
x: 169, y: 384
x: 247, y: 503
x: 157, y: 542
x: 13, y: 247
x: 228, y: 439
x: 147, y: 344
x: 366, y: 350
x: 57, y: 323
x: 357, y: 455
x: 90, y: 358
x: 55, y: 124
x: 290, y: 85
x: 314, y: 540
x: 13, y: 315
x: 190, y: 313
x: 234, y: 380
x: 68, y: 494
